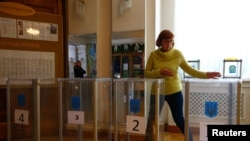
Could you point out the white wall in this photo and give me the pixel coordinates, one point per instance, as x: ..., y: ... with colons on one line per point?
x: 79, y: 25
x: 132, y: 18
x: 166, y: 15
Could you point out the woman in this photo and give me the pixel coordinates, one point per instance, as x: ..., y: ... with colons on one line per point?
x: 164, y: 63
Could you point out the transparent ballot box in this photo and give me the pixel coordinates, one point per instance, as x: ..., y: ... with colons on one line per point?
x: 133, y: 98
x: 86, y: 109
x: 32, y: 109
x: 210, y: 102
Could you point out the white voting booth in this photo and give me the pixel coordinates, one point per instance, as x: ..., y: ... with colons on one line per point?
x: 214, y: 101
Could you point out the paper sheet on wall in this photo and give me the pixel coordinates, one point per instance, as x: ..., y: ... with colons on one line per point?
x: 7, y: 27
x: 26, y: 64
x: 23, y: 29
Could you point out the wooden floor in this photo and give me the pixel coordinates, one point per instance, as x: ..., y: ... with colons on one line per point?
x: 168, y: 136
x: 171, y: 136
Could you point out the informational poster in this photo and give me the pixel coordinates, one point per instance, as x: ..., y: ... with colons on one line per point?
x: 24, y: 29
x: 8, y: 28
x: 47, y: 31
x: 31, y: 44
x: 26, y: 64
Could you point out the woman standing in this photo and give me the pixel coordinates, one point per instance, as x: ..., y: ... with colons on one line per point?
x: 164, y: 63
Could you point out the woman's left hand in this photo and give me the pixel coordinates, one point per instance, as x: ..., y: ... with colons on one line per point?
x: 213, y: 75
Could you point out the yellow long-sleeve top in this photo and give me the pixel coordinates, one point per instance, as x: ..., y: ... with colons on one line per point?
x: 171, y: 60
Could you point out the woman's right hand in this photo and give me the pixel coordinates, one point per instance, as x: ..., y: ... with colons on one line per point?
x: 166, y: 72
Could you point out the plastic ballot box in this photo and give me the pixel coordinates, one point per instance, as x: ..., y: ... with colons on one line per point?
x: 59, y: 109
x: 21, y: 109
x: 33, y: 109
x: 210, y: 102
x: 86, y: 109
x: 133, y: 98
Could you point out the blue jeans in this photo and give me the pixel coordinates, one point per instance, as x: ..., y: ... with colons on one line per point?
x: 175, y: 102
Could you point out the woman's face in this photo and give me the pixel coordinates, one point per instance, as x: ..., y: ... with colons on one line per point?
x: 167, y: 44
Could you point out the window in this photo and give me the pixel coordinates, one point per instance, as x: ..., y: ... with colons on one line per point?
x: 213, y: 30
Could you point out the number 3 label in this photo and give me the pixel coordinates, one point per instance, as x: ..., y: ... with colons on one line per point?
x: 75, y: 117
x: 22, y: 117
x: 135, y: 124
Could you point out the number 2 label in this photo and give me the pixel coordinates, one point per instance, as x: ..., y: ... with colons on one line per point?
x: 22, y: 117
x: 135, y: 124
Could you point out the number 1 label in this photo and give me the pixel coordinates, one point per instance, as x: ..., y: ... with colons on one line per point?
x: 22, y: 117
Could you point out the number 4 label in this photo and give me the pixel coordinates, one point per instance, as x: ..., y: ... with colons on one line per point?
x: 135, y: 124
x: 22, y: 117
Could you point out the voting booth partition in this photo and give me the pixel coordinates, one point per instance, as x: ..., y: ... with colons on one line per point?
x: 86, y: 109
x: 131, y: 108
x: 210, y: 102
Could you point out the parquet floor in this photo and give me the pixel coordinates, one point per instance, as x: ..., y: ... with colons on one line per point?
x: 171, y: 136
x: 168, y: 136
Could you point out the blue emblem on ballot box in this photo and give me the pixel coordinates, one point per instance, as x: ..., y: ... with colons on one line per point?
x: 134, y: 105
x: 21, y: 99
x: 75, y: 102
x: 211, y: 109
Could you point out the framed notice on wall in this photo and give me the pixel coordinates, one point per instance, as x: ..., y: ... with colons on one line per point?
x: 232, y: 68
x: 194, y: 64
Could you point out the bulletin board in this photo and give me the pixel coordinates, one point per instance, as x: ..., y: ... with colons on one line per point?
x: 31, y: 46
